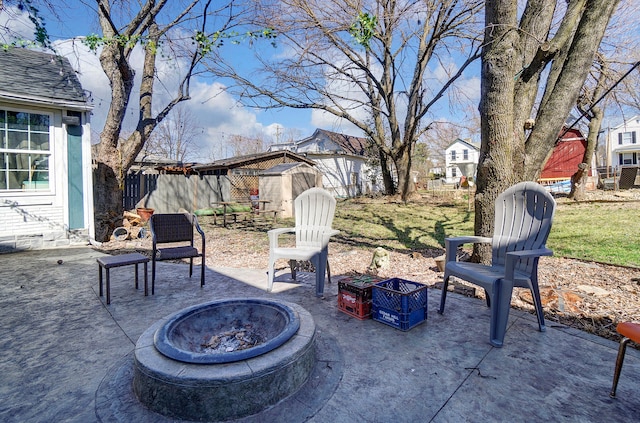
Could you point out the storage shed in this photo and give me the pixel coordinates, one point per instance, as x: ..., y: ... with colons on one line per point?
x: 282, y: 183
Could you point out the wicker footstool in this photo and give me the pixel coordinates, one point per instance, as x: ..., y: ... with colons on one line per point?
x: 122, y: 260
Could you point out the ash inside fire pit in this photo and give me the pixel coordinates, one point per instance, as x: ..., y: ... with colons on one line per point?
x: 226, y: 331
x: 233, y: 340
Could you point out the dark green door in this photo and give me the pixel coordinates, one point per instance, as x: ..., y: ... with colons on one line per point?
x: 75, y: 182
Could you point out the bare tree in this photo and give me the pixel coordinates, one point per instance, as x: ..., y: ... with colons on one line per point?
x: 11, y: 34
x: 174, y: 138
x: 441, y: 134
x: 156, y: 27
x: 608, y: 85
x: 241, y: 145
x: 338, y: 58
x: 595, y: 114
x: 530, y: 70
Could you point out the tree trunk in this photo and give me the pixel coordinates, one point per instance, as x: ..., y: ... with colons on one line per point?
x: 508, y: 154
x: 403, y: 164
x: 387, y: 179
x: 579, y: 179
x: 496, y: 170
x: 107, y: 195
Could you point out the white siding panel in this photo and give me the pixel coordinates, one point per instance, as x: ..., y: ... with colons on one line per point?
x: 31, y: 219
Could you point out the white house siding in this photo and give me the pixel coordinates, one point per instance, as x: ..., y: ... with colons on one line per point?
x: 341, y: 176
x: 624, y: 144
x: 344, y: 175
x: 455, y: 168
x: 32, y: 219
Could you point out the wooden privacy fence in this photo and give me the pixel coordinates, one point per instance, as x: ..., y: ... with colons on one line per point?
x: 136, y: 185
x: 168, y: 193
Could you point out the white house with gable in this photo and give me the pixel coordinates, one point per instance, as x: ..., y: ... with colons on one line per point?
x: 461, y: 159
x: 624, y: 144
x: 342, y: 159
x: 46, y: 195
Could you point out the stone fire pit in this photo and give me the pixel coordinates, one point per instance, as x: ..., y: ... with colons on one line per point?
x: 180, y: 372
x: 226, y: 331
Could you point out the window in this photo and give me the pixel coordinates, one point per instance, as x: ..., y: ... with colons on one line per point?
x: 628, y: 159
x: 465, y: 154
x: 453, y: 155
x: 454, y: 172
x: 24, y: 150
x: 625, y: 138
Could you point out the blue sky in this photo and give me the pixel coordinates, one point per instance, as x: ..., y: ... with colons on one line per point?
x: 217, y: 114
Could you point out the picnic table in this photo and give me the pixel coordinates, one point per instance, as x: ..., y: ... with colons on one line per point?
x: 238, y: 208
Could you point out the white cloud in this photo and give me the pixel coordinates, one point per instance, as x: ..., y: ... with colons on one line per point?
x: 15, y: 24
x: 469, y: 87
x: 218, y: 114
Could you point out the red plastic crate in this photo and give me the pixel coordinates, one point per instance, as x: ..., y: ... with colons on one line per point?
x: 354, y: 296
x: 399, y: 303
x: 349, y: 305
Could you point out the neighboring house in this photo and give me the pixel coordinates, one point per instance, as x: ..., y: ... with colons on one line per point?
x: 624, y: 144
x: 461, y: 159
x: 343, y: 160
x: 46, y: 195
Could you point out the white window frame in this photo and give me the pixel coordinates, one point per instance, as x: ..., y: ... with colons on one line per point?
x: 628, y: 159
x: 627, y: 138
x: 32, y: 185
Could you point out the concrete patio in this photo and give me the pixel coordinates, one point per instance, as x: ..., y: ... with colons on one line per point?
x: 68, y: 356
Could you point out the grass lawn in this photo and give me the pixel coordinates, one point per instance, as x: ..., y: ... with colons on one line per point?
x: 602, y: 232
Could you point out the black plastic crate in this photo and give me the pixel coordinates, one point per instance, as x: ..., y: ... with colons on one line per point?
x: 360, y: 286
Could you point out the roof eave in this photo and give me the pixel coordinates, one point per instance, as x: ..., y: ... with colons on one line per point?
x: 44, y: 101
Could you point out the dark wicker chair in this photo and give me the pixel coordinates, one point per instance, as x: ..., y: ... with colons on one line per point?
x: 175, y: 228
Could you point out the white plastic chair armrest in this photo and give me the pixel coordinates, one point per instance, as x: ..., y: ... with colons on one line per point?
x: 275, y: 233
x: 326, y: 236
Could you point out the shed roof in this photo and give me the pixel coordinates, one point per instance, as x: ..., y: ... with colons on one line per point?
x: 39, y: 77
x: 284, y: 168
x: 239, y: 161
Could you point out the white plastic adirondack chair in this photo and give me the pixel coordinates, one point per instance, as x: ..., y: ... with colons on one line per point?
x: 314, y: 210
x: 523, y: 218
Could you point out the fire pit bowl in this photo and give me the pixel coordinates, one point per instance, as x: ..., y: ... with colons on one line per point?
x: 226, y: 331
x: 172, y: 376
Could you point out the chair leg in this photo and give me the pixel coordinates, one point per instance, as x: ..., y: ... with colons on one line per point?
x: 153, y: 275
x: 537, y: 302
x: 202, y: 272
x: 270, y: 274
x: 443, y: 296
x: 293, y: 265
x: 501, y: 305
x: 190, y: 266
x: 328, y: 272
x: 320, y: 262
x: 616, y: 374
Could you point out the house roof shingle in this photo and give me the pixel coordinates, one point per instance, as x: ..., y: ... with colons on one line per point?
x: 349, y: 143
x: 38, y: 76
